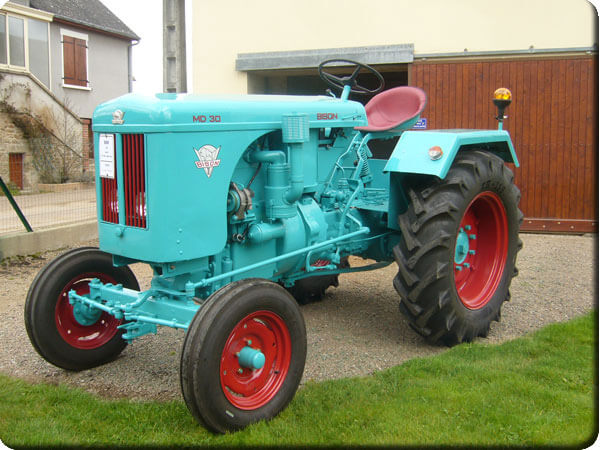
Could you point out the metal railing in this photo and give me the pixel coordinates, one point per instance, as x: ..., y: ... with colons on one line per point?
x: 48, y: 209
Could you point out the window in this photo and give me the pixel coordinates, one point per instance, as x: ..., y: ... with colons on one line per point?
x: 3, y: 53
x: 39, y: 61
x: 16, y: 41
x: 24, y: 45
x: 74, y: 59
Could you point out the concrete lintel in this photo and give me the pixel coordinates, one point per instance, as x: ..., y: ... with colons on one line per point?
x: 518, y: 52
x: 48, y: 239
x: 377, y: 54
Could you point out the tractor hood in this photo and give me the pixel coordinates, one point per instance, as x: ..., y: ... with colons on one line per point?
x: 161, y: 197
x: 186, y: 112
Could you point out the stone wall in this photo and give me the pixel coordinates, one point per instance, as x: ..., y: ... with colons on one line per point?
x: 24, y: 97
x: 12, y: 141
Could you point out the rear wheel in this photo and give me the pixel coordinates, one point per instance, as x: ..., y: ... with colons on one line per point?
x: 74, y: 338
x: 243, y: 355
x: 457, y: 256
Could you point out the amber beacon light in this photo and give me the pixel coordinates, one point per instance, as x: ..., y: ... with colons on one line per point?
x: 502, y: 98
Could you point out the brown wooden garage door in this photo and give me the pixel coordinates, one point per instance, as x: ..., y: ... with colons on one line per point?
x: 553, y: 123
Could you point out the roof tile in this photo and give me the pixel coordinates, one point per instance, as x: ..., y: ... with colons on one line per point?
x: 91, y: 13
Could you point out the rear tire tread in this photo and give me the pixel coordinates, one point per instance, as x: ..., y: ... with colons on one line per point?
x: 424, y: 281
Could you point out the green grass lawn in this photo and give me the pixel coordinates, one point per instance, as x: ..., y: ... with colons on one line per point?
x: 541, y: 389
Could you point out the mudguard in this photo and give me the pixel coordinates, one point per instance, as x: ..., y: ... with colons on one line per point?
x: 411, y: 152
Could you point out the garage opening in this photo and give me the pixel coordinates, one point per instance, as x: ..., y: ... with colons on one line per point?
x: 308, y: 82
x: 295, y: 73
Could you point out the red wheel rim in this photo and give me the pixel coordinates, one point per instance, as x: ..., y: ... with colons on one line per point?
x: 252, y: 388
x: 85, y: 337
x: 481, y: 251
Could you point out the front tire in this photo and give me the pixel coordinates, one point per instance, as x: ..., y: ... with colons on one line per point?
x: 251, y: 315
x: 53, y: 329
x: 458, y: 250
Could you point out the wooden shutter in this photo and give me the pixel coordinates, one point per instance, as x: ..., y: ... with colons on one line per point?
x: 75, y: 61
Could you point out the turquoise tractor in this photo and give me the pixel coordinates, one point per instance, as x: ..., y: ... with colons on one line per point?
x: 246, y: 206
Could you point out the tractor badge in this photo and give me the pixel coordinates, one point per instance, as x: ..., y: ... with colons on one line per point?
x: 207, y: 158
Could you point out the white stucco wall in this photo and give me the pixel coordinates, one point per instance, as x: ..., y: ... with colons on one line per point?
x: 107, y: 70
x: 221, y: 30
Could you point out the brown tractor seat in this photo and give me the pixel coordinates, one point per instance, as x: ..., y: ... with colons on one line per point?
x: 395, y: 109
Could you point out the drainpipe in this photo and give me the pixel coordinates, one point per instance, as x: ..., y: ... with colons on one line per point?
x: 130, y: 64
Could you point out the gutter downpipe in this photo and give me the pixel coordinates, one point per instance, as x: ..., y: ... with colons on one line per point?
x: 130, y: 64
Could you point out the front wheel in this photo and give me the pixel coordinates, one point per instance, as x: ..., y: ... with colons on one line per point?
x: 456, y: 258
x: 74, y: 338
x: 243, y: 355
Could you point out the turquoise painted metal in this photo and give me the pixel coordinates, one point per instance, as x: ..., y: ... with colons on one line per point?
x: 173, y: 126
x: 251, y: 358
x: 462, y: 246
x: 411, y: 152
x: 85, y: 314
x: 208, y: 190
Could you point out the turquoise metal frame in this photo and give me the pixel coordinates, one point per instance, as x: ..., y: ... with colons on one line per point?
x: 411, y: 152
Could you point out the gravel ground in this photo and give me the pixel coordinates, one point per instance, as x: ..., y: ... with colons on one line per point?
x: 355, y: 330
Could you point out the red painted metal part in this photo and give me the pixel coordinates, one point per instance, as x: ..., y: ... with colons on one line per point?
x: 321, y: 263
x: 249, y: 389
x: 482, y: 271
x: 135, y: 175
x: 75, y: 334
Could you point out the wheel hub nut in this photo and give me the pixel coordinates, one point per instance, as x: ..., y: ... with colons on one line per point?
x: 251, y: 358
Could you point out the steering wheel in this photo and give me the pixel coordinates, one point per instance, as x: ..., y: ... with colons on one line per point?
x: 339, y: 82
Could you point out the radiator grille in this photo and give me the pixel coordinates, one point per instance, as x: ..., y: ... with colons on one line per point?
x: 135, y: 180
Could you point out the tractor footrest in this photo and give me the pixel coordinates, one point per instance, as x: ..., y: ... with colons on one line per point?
x: 136, y: 329
x: 380, y: 206
x: 373, y: 199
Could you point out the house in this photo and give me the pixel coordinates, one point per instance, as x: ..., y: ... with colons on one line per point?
x: 58, y: 60
x: 459, y: 52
